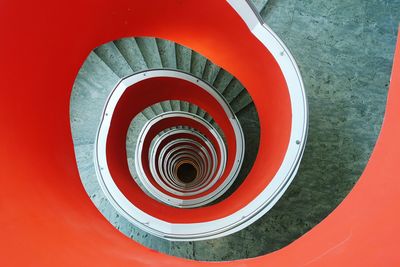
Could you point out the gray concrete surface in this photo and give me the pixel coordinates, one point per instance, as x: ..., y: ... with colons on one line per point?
x: 344, y: 49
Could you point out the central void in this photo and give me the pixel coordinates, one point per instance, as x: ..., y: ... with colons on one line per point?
x: 186, y: 173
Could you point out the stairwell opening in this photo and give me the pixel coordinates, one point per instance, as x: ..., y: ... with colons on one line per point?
x: 104, y: 68
x: 186, y: 173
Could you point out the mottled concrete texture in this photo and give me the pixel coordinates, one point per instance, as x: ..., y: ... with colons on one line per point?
x: 344, y: 49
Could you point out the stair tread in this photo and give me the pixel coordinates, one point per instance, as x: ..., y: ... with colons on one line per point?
x: 222, y: 80
x: 166, y: 106
x: 210, y: 72
x: 167, y: 53
x: 93, y: 84
x: 233, y: 89
x: 183, y: 57
x: 166, y: 49
x: 110, y: 54
x: 149, y: 50
x: 183, y: 61
x: 241, y: 101
x: 129, y: 49
x: 197, y: 64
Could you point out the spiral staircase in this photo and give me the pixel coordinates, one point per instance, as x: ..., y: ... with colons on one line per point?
x: 184, y: 146
x: 192, y: 140
x: 196, y: 156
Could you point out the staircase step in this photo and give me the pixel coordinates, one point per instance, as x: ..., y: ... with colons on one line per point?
x: 241, y: 101
x: 148, y: 113
x: 201, y: 112
x: 134, y: 129
x: 175, y: 105
x: 184, y: 106
x: 167, y: 53
x: 232, y: 90
x: 93, y: 84
x: 210, y: 72
x: 183, y: 57
x: 110, y: 54
x: 208, y: 117
x: 132, y: 136
x: 198, y: 62
x: 166, y: 106
x: 193, y: 108
x: 132, y: 54
x: 149, y: 49
x: 166, y: 49
x: 157, y: 108
x: 222, y: 81
x: 183, y: 62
